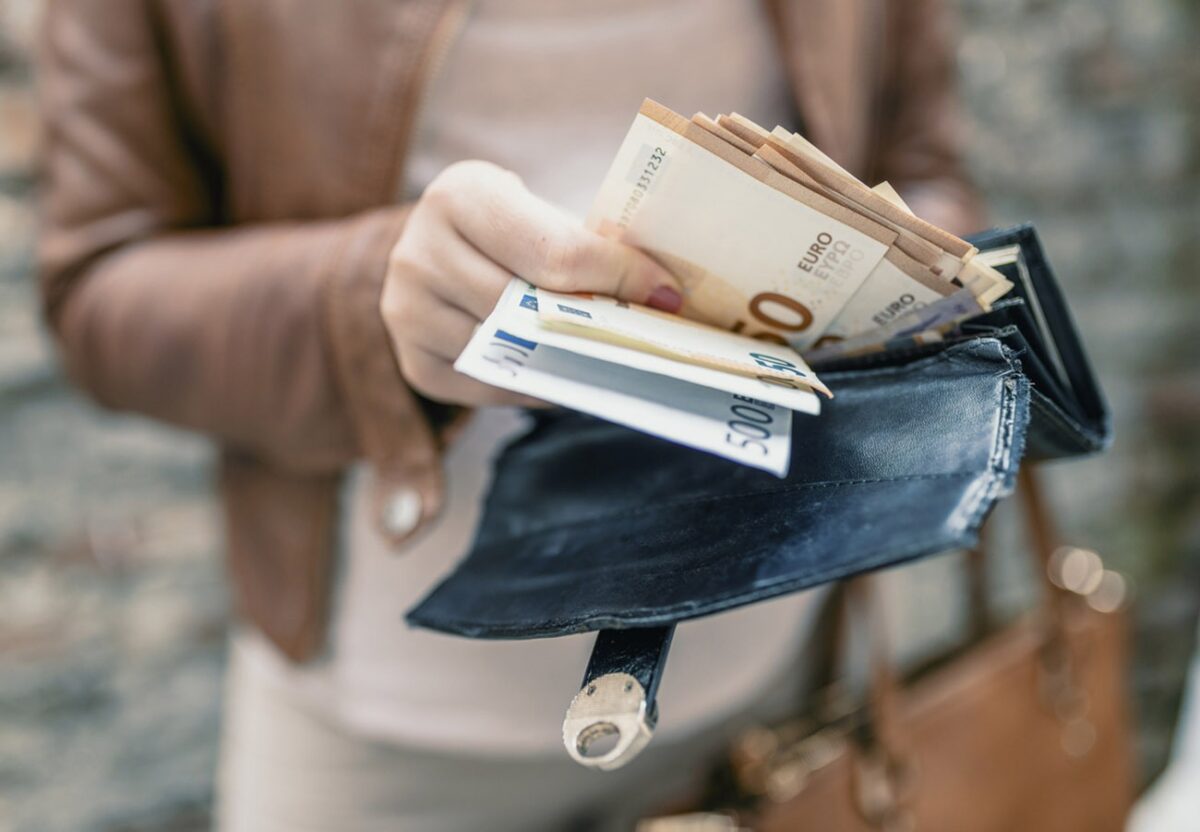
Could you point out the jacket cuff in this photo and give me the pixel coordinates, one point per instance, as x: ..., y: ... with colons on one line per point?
x: 391, y: 427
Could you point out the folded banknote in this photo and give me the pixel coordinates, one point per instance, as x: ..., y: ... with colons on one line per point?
x: 665, y: 398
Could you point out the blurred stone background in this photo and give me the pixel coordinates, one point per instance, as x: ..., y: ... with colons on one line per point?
x: 1084, y: 116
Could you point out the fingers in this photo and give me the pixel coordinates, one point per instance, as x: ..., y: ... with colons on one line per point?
x: 468, y: 279
x: 437, y: 328
x: 428, y: 328
x: 433, y: 258
x: 534, y: 240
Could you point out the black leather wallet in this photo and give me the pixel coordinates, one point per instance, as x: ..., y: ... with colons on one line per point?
x: 590, y: 525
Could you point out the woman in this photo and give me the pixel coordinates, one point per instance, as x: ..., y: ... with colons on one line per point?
x: 279, y: 225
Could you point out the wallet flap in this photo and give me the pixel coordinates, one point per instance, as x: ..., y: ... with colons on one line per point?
x: 590, y: 525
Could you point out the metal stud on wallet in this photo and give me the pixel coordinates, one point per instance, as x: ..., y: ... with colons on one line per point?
x: 612, y: 718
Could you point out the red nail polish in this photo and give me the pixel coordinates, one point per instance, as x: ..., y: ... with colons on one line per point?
x: 666, y: 299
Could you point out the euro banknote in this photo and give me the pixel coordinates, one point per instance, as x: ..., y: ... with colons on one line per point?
x: 756, y: 253
x: 508, y: 350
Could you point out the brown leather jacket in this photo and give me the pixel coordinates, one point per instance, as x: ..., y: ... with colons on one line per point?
x: 219, y: 206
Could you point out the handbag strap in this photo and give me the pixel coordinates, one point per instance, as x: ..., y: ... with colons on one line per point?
x: 1044, y: 541
x: 1043, y: 536
x: 850, y: 602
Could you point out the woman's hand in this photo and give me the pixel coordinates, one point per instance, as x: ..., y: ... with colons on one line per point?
x: 475, y: 227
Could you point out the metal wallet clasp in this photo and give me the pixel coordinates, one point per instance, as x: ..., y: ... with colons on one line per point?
x: 612, y: 718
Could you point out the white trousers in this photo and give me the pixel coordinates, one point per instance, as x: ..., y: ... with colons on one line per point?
x: 284, y: 768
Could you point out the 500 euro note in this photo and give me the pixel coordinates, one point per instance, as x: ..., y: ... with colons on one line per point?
x: 511, y: 351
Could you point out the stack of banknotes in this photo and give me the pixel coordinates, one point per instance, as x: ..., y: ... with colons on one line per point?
x: 786, y: 260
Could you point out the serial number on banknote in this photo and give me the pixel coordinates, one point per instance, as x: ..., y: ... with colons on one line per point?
x: 641, y: 183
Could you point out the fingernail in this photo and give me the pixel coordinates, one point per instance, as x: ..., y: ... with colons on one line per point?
x: 666, y: 299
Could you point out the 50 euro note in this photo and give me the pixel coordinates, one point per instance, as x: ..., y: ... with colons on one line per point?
x: 953, y: 257
x: 894, y: 295
x: 956, y: 261
x: 670, y: 400
x: 906, y: 278
x: 756, y: 253
x: 770, y: 148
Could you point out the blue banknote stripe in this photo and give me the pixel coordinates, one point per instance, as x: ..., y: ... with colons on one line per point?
x: 513, y: 339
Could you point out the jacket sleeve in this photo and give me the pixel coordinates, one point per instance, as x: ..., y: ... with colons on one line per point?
x: 919, y: 149
x: 157, y: 307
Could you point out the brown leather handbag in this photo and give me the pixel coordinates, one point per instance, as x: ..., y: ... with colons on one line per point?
x: 1026, y: 729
